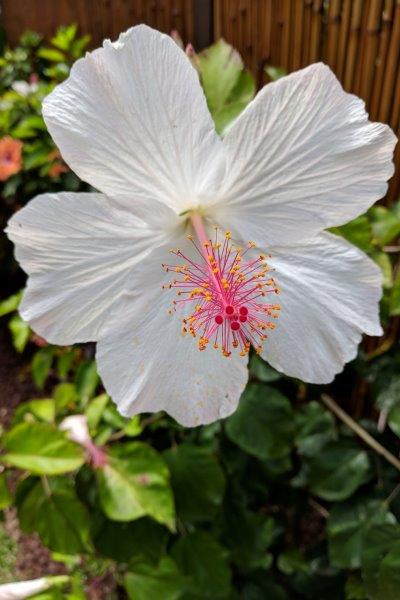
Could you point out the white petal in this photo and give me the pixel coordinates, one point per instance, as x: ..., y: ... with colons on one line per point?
x: 147, y: 365
x: 302, y: 157
x: 80, y: 251
x: 18, y: 590
x: 330, y: 294
x: 132, y: 120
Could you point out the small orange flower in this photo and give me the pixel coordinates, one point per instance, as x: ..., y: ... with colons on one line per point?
x: 10, y: 157
x: 59, y: 165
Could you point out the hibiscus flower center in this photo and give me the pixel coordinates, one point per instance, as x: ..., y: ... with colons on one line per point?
x: 223, y: 292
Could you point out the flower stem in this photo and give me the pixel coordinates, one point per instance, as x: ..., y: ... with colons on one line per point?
x: 360, y: 431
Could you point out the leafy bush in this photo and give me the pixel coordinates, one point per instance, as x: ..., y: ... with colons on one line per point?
x: 280, y: 500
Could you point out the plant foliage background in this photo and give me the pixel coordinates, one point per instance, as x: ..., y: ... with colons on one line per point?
x: 278, y: 501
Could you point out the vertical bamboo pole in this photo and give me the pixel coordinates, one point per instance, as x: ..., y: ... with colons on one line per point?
x: 307, y: 33
x: 333, y: 32
x: 380, y: 66
x: 355, y: 23
x: 286, y: 38
x: 370, y: 50
x: 316, y: 28
x: 392, y: 64
x: 297, y: 21
x: 343, y: 38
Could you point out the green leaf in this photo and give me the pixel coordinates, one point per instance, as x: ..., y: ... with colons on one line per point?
x: 227, y: 86
x: 263, y: 423
x: 20, y: 332
x: 347, y: 525
x: 65, y: 361
x: 380, y: 562
x: 56, y: 514
x: 275, y: 73
x: 86, y: 380
x: 197, y: 481
x: 135, y: 483
x: 262, y: 371
x: 41, y: 365
x: 5, y: 494
x: 65, y: 396
x: 163, y: 582
x: 355, y: 589
x: 248, y: 536
x: 315, y: 427
x: 41, y: 449
x: 383, y: 261
x: 43, y: 409
x: 337, y: 470
x: 202, y: 559
x: 29, y: 127
x: 385, y: 223
x: 139, y: 541
x: 133, y: 427
x: 357, y: 232
x: 292, y: 561
x: 10, y: 304
x: 51, y: 54
x: 394, y: 301
x: 35, y: 156
x: 95, y: 409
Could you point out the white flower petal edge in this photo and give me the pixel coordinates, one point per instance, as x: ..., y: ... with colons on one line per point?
x: 19, y: 590
x: 147, y: 365
x: 330, y: 296
x: 302, y: 157
x: 80, y: 252
x: 132, y: 120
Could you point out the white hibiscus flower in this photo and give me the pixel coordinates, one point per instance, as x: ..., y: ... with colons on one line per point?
x: 132, y: 120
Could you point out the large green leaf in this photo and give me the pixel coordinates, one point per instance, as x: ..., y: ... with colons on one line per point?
x: 336, y: 471
x: 248, y: 536
x: 380, y: 562
x: 227, y: 86
x: 263, y: 424
x: 347, y: 526
x: 202, y: 559
x: 139, y: 541
x: 135, y: 483
x: 197, y: 481
x: 55, y: 513
x: 163, y: 582
x: 315, y: 426
x: 41, y: 449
